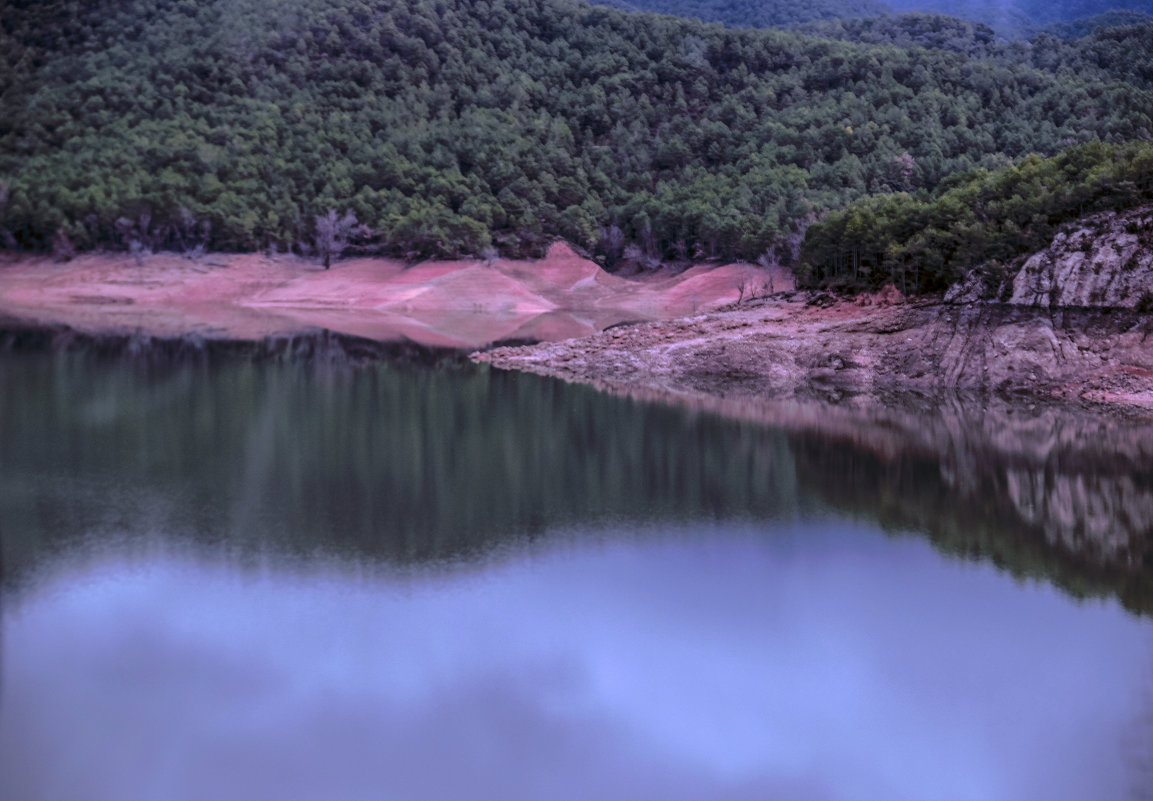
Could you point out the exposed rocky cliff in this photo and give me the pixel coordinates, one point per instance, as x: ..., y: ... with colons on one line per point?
x: 1101, y: 261
x: 791, y: 349
x: 1071, y: 322
x: 1105, y: 261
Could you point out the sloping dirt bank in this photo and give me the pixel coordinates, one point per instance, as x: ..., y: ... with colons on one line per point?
x: 459, y: 304
x: 785, y: 349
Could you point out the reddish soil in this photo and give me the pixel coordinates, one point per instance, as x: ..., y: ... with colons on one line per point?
x: 465, y: 304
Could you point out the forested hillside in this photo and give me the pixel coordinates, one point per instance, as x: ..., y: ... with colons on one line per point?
x: 1083, y: 26
x: 980, y: 219
x: 1119, y: 52
x: 450, y: 126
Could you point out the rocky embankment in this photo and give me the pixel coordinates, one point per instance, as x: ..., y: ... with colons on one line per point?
x: 1071, y: 324
x: 790, y: 349
x: 1104, y: 261
x: 1022, y: 404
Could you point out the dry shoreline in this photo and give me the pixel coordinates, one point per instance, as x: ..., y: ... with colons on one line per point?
x: 786, y: 351
x: 454, y: 304
x: 1062, y: 327
x: 738, y: 356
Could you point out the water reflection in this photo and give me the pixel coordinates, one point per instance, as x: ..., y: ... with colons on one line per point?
x: 383, y: 462
x: 797, y: 661
x: 229, y: 576
x: 445, y: 461
x: 1137, y: 743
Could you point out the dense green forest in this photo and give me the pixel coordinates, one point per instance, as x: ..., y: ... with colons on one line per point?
x: 925, y: 243
x: 1120, y: 52
x: 1083, y: 26
x: 446, y: 127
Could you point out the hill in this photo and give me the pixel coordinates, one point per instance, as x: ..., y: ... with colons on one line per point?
x: 1023, y: 16
x: 447, y: 127
x: 980, y: 220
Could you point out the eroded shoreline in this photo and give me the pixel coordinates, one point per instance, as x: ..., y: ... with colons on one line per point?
x: 646, y: 338
x: 786, y: 350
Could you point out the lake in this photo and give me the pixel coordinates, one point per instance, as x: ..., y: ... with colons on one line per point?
x: 231, y: 575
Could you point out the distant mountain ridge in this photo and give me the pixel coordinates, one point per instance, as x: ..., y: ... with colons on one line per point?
x: 1083, y: 26
x: 758, y: 13
x: 1014, y: 18
x: 1035, y: 12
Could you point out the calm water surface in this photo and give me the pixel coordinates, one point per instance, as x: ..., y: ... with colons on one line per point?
x: 233, y: 579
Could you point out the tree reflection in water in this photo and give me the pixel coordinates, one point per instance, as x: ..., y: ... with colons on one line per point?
x: 435, y: 459
x: 250, y: 457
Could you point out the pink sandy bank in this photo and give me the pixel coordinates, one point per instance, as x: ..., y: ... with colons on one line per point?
x: 464, y: 304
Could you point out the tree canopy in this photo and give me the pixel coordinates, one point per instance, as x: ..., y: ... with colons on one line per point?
x: 982, y: 218
x: 447, y: 127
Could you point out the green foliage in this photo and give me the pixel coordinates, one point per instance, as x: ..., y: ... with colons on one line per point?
x: 925, y: 243
x: 932, y: 31
x: 1021, y: 18
x: 1084, y: 26
x: 1121, y: 52
x: 448, y: 127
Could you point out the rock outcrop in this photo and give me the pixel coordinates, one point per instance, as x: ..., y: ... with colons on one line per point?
x: 1071, y: 322
x: 1101, y: 261
x: 788, y: 349
x: 1104, y: 261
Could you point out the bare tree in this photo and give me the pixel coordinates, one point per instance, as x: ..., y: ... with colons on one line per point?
x: 611, y: 244
x: 332, y: 234
x: 906, y: 169
x: 767, y: 261
x: 489, y: 255
x: 743, y: 286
